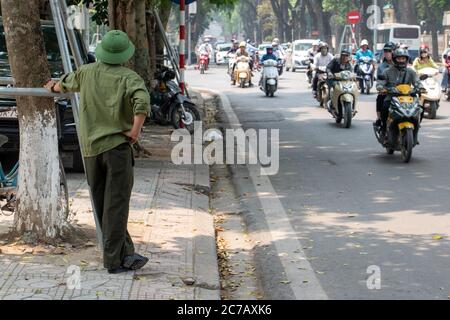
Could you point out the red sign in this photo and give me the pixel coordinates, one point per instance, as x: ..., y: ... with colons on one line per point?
x: 353, y: 17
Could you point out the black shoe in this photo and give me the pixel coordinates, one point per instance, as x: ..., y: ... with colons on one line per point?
x: 377, y: 123
x: 134, y: 262
x: 118, y: 270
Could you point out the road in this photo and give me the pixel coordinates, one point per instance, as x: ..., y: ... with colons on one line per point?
x: 349, y: 204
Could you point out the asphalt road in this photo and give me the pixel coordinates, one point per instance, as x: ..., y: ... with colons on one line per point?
x: 351, y: 206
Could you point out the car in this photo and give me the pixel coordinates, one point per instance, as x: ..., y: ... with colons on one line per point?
x: 299, y: 58
x: 221, y: 53
x: 9, y: 125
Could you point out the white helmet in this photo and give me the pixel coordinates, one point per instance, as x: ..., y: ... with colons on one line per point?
x: 364, y: 43
x: 316, y: 43
x: 276, y: 40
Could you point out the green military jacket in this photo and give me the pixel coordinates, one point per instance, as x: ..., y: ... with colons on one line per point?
x: 110, y: 96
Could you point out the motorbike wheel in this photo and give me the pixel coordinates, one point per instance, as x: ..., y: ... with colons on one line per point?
x: 433, y: 110
x: 202, y: 69
x: 390, y: 150
x: 348, y: 115
x: 293, y: 70
x: 448, y: 94
x: 242, y: 84
x: 324, y: 94
x: 407, y: 144
x: 191, y: 111
x: 368, y: 85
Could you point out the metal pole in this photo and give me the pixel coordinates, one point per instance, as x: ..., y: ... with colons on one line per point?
x: 35, y: 92
x: 74, y: 45
x: 189, y: 61
x: 182, y: 43
x: 62, y: 41
x: 375, y: 31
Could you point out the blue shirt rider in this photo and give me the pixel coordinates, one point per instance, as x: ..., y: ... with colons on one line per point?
x: 269, y: 55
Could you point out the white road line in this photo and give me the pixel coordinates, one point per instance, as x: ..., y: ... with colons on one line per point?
x: 302, y: 277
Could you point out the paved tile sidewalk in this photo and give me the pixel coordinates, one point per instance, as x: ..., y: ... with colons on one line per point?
x: 169, y: 222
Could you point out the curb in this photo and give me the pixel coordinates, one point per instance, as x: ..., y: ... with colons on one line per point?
x: 267, y: 251
x: 206, y: 271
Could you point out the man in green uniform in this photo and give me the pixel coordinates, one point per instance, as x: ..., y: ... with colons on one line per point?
x: 114, y: 103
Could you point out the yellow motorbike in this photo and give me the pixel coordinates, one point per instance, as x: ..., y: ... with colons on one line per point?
x: 403, y: 123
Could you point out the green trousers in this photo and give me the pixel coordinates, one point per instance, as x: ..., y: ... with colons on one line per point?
x: 110, y: 176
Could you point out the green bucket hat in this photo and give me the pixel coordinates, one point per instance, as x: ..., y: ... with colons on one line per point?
x: 115, y: 48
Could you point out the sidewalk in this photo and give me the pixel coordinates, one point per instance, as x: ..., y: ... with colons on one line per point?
x: 169, y: 221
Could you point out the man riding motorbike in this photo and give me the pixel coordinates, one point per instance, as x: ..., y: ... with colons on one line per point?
x: 424, y: 60
x: 243, y: 52
x: 395, y: 75
x: 205, y: 48
x: 446, y: 62
x: 268, y: 56
x: 388, y: 61
x: 322, y: 59
x: 363, y: 52
x: 311, y: 54
x: 339, y: 64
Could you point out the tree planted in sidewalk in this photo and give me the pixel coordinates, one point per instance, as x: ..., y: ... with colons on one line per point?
x: 41, y: 213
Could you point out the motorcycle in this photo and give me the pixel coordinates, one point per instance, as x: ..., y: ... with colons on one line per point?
x: 280, y: 66
x: 309, y: 72
x: 448, y: 83
x: 203, y: 63
x: 169, y: 105
x: 365, y: 74
x: 231, y: 64
x: 430, y: 101
x: 323, y: 91
x: 342, y: 105
x: 403, y: 123
x: 242, y: 72
x: 269, y: 80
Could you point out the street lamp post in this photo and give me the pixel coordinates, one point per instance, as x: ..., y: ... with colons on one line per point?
x: 375, y: 30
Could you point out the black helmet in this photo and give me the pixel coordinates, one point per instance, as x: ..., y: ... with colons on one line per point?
x: 323, y: 45
x: 389, y: 46
x: 401, y: 53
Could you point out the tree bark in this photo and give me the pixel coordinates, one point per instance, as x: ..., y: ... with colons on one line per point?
x: 40, y: 214
x: 129, y: 16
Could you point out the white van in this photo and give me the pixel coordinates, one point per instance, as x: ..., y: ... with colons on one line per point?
x: 298, y: 58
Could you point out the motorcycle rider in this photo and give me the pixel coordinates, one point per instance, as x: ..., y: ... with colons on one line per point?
x: 446, y: 62
x: 424, y: 60
x: 388, y: 61
x: 243, y: 52
x: 205, y: 48
x: 234, y: 48
x: 338, y: 64
x: 268, y: 56
x: 395, y: 75
x: 321, y: 59
x: 313, y: 51
x: 364, y: 51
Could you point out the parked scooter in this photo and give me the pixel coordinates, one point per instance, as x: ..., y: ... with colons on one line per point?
x: 203, y: 63
x: 403, y: 123
x: 269, y: 80
x: 430, y: 101
x: 323, y: 91
x: 242, y: 72
x: 365, y: 74
x: 344, y: 96
x: 169, y: 105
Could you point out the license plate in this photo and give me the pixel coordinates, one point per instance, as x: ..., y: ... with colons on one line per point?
x: 8, y: 114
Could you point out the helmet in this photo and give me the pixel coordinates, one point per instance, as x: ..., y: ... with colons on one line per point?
x: 248, y: 40
x: 276, y: 40
x: 389, y: 46
x: 269, y: 48
x: 274, y: 44
x: 323, y: 45
x: 242, y: 44
x: 424, y: 47
x: 345, y: 52
x: 403, y: 46
x: 364, y: 43
x: 401, y: 53
x: 207, y: 40
x: 316, y: 43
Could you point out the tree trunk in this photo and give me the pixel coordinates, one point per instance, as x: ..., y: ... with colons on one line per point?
x: 129, y: 16
x: 40, y: 215
x: 406, y: 11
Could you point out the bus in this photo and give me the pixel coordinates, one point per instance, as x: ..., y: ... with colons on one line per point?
x: 399, y: 33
